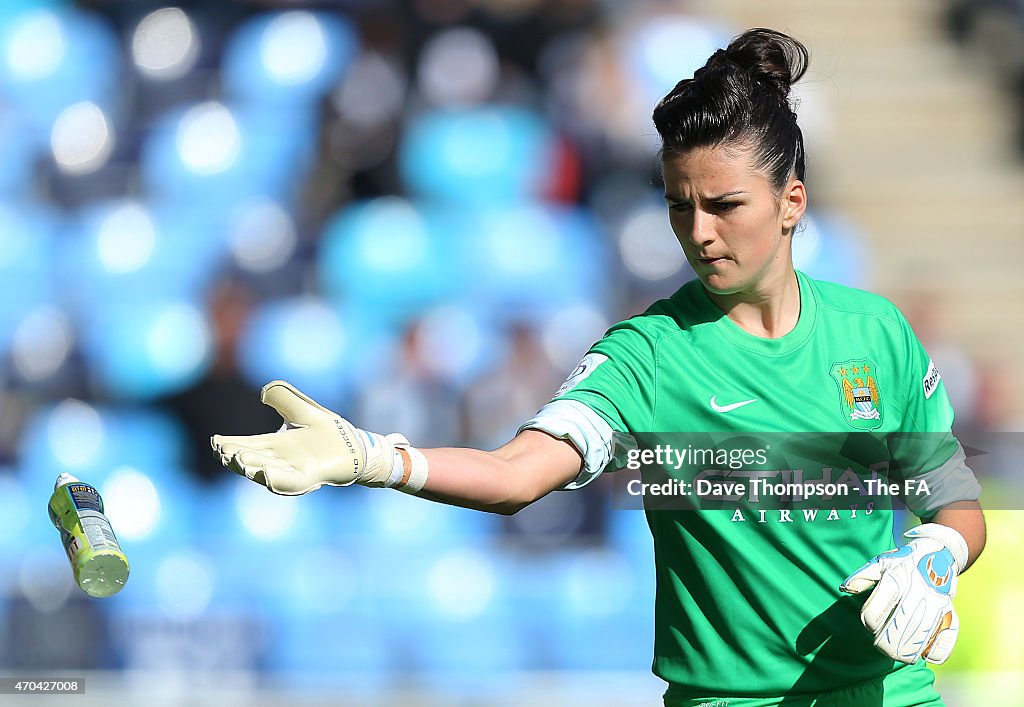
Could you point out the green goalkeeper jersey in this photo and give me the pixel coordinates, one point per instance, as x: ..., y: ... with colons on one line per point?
x: 748, y: 599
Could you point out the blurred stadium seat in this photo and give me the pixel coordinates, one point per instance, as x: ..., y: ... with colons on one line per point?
x: 53, y: 57
x: 28, y: 243
x: 134, y: 250
x: 288, y: 59
x: 15, y: 536
x: 830, y: 248
x: 392, y: 257
x: 320, y: 349
x: 146, y: 348
x: 70, y: 436
x: 659, y: 50
x: 496, y: 155
x: 398, y: 522
x: 218, y: 152
x: 600, y: 593
x: 566, y: 255
x: 19, y: 155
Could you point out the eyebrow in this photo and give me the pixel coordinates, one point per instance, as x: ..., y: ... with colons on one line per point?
x: 676, y: 199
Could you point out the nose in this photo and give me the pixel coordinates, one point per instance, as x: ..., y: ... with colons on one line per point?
x: 701, y: 231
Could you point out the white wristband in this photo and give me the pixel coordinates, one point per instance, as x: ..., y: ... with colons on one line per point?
x: 947, y: 536
x: 414, y: 466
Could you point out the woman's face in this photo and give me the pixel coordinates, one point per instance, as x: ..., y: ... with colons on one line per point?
x: 733, y: 228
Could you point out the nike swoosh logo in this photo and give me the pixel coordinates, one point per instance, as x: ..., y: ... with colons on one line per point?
x: 732, y: 406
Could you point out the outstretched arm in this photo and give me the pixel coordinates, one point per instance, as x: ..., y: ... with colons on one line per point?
x: 317, y: 447
x: 503, y: 481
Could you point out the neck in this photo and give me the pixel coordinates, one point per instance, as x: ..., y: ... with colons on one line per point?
x: 770, y: 311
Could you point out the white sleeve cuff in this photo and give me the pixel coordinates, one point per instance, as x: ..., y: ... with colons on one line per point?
x: 953, y: 481
x: 585, y: 429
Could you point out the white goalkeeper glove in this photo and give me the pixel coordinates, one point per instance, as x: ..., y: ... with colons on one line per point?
x: 910, y: 611
x: 315, y: 447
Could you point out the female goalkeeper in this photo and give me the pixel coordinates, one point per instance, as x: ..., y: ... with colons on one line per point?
x: 752, y: 608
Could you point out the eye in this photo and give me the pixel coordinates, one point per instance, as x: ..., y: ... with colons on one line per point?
x: 681, y: 207
x: 726, y: 206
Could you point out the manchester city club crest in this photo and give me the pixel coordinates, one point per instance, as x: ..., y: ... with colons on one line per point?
x: 858, y: 392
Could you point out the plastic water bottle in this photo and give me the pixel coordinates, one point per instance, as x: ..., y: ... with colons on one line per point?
x: 76, y: 509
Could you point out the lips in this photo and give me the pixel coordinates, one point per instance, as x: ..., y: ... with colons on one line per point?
x: 711, y: 261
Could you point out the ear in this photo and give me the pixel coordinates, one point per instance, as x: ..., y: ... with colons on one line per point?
x: 794, y: 204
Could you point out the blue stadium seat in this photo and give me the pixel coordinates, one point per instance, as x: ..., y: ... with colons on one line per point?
x: 175, y: 616
x: 217, y: 153
x: 665, y: 48
x: 320, y: 634
x: 460, y: 340
x: 254, y: 536
x: 27, y: 245
x: 530, y: 259
x: 400, y: 522
x: 479, y: 155
x: 829, y: 247
x: 462, y: 630
x: 19, y: 148
x: 26, y: 526
x: 318, y: 654
x: 288, y: 58
x: 602, y: 618
x: 148, y: 347
x: 319, y: 349
x: 70, y: 436
x: 127, y: 249
x: 148, y: 437
x: 473, y: 657
x: 55, y: 57
x: 630, y: 535
x: 517, y: 260
x: 12, y: 8
x: 392, y: 256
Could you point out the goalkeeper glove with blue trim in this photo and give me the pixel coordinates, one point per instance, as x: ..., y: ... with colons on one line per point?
x: 910, y: 609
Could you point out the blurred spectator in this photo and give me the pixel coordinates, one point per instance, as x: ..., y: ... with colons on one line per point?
x: 924, y: 310
x: 412, y: 397
x: 994, y: 31
x: 223, y: 399
x: 506, y: 396
x: 495, y: 405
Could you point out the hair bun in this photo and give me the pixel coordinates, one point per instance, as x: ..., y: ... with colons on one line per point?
x: 741, y: 95
x: 773, y: 57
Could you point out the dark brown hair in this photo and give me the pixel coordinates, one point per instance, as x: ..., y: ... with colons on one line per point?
x: 741, y: 96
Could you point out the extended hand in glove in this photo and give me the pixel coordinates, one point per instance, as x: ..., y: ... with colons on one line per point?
x: 315, y: 447
x: 910, y: 610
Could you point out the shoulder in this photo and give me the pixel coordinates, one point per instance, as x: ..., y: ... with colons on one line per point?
x: 848, y: 311
x: 843, y: 301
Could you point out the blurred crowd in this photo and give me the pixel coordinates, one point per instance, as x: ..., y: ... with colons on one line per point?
x: 421, y: 213
x: 994, y: 31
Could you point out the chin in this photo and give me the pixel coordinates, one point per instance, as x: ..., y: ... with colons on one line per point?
x: 720, y: 284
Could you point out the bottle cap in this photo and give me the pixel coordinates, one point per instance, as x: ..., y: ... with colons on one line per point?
x: 64, y: 479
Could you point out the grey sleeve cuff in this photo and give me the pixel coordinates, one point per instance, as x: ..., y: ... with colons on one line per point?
x: 585, y: 429
x: 953, y: 481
